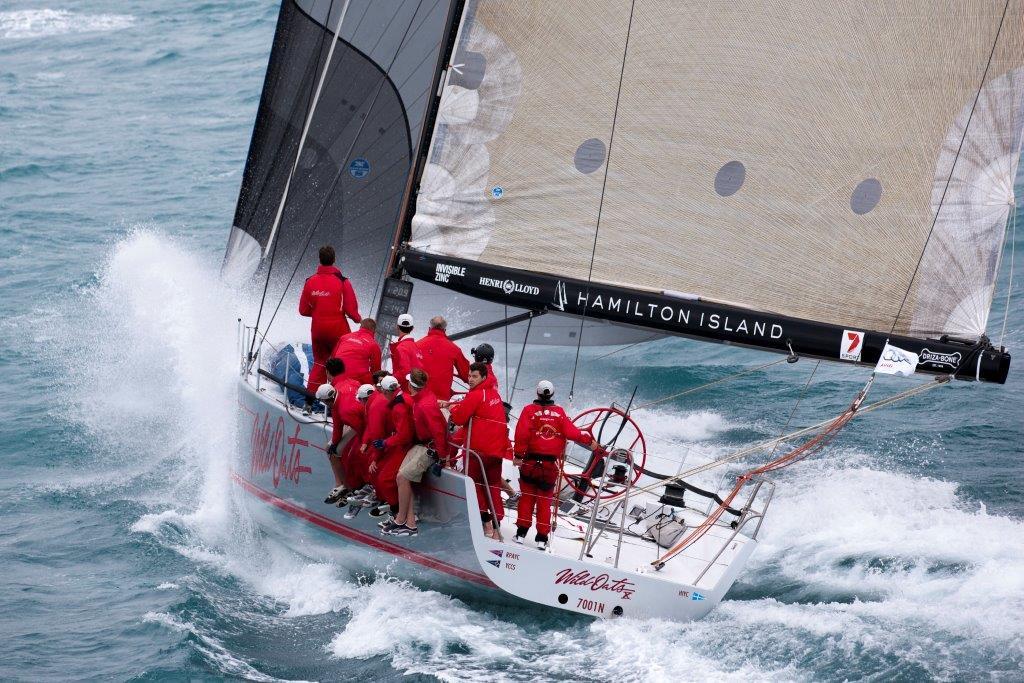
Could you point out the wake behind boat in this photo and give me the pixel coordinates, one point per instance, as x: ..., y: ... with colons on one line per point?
x: 464, y: 148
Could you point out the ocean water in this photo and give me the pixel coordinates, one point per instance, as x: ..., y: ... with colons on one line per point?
x: 897, y: 554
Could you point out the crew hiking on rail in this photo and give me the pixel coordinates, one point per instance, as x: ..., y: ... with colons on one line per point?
x: 408, y: 421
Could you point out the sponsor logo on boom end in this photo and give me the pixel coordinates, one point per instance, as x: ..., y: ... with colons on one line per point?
x: 509, y: 286
x: 851, y: 345
x: 951, y: 360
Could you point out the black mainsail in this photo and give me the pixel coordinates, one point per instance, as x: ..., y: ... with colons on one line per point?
x: 805, y: 177
x: 364, y: 124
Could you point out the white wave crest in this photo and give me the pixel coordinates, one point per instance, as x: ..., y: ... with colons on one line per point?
x: 42, y: 23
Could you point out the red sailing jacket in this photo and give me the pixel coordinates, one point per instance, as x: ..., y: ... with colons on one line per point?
x: 347, y: 410
x: 489, y: 432
x: 429, y: 422
x: 360, y: 353
x: 328, y: 297
x: 544, y: 428
x: 400, y: 427
x: 376, y: 418
x: 405, y: 357
x: 442, y: 359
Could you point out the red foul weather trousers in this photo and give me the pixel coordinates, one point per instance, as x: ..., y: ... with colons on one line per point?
x: 537, y: 481
x: 384, y: 482
x: 354, y: 464
x: 324, y: 334
x: 492, y: 468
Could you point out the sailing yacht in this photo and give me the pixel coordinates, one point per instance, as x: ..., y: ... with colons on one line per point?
x: 802, y: 178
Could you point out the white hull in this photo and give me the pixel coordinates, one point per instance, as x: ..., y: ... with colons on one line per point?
x: 282, y: 465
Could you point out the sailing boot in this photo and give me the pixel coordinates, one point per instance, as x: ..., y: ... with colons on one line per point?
x: 542, y: 541
x: 337, y: 496
x: 520, y: 534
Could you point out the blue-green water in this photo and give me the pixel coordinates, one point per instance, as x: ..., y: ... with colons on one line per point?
x: 123, y: 129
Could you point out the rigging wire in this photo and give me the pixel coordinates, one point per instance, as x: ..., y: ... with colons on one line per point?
x: 305, y: 126
x: 323, y: 206
x: 600, y: 205
x: 765, y: 445
x: 311, y: 108
x: 519, y: 365
x: 798, y: 399
x: 1009, y: 278
x: 949, y: 179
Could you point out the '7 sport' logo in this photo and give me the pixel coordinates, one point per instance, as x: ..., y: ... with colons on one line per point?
x: 851, y: 345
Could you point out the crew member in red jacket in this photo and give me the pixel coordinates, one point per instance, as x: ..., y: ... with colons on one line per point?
x: 346, y: 411
x: 327, y: 298
x: 482, y: 413
x: 405, y: 356
x: 360, y: 352
x: 442, y: 359
x: 431, y: 429
x: 485, y: 354
x: 388, y: 452
x: 541, y: 435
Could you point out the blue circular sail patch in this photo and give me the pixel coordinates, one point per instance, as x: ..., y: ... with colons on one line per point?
x: 359, y: 168
x: 496, y: 192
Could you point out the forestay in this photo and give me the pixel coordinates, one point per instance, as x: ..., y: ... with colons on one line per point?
x: 845, y: 163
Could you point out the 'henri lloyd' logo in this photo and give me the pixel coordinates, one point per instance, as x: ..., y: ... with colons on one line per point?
x: 934, y: 358
x: 596, y: 582
x: 509, y: 286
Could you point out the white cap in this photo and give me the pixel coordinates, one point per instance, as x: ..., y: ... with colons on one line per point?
x: 364, y: 391
x: 405, y: 320
x: 545, y: 389
x: 326, y: 393
x: 388, y: 383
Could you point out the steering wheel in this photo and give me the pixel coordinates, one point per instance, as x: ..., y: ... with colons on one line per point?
x: 621, y: 435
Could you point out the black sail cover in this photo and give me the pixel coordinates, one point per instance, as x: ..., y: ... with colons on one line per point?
x: 354, y: 165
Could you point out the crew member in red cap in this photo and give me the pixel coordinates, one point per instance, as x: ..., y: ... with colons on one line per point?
x: 482, y: 413
x: 360, y: 352
x: 404, y: 354
x: 442, y: 359
x: 327, y: 298
x: 541, y: 435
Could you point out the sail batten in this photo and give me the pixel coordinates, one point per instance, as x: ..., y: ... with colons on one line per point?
x: 811, y: 159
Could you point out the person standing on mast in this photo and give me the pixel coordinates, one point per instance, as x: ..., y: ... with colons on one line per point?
x: 442, y: 359
x: 327, y: 298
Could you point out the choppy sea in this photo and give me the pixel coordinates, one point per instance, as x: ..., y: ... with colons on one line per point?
x: 897, y: 554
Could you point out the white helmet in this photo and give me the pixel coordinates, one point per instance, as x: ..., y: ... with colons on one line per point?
x: 545, y: 389
x: 326, y: 393
x: 363, y: 392
x: 388, y: 383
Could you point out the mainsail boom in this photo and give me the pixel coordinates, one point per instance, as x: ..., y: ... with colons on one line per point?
x: 699, y: 319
